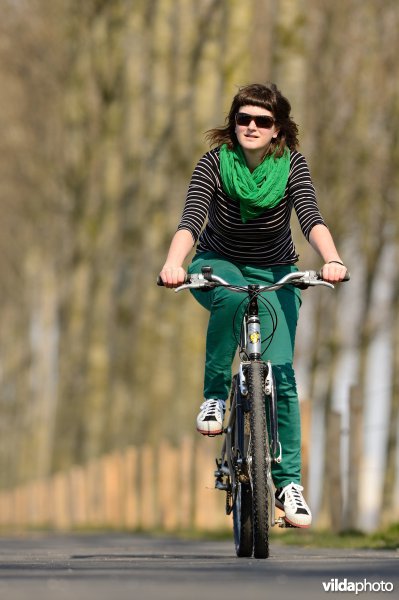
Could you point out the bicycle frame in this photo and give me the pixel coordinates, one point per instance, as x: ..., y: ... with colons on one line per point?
x: 237, y: 429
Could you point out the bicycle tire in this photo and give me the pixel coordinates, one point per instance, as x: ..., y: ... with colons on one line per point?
x: 242, y: 508
x: 242, y: 520
x: 260, y: 459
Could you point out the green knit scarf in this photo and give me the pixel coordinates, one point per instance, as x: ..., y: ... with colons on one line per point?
x: 263, y: 188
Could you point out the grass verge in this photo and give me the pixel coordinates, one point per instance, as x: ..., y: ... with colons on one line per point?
x: 384, y: 539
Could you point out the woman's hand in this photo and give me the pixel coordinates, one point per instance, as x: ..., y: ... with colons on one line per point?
x: 172, y: 275
x: 333, y: 271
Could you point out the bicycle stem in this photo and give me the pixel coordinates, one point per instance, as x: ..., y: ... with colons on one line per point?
x: 253, y: 340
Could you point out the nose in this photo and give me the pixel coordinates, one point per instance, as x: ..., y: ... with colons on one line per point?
x: 252, y: 124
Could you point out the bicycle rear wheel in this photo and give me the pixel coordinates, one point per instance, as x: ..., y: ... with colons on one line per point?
x: 259, y: 459
x: 242, y: 520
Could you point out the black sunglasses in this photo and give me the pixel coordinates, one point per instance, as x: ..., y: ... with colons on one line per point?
x: 261, y: 121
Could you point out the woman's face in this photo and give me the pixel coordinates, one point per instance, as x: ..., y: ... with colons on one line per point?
x: 254, y: 135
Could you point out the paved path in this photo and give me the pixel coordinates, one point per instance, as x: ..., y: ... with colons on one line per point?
x: 133, y: 567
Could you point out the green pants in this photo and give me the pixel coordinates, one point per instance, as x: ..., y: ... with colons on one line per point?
x: 225, y: 307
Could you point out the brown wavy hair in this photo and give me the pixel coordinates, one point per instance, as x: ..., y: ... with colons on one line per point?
x: 269, y: 97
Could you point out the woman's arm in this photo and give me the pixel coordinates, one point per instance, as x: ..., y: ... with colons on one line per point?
x: 200, y: 192
x: 311, y: 221
x: 172, y: 273
x: 321, y: 240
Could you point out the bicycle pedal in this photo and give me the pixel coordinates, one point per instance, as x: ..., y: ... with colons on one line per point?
x: 281, y: 522
x: 290, y: 526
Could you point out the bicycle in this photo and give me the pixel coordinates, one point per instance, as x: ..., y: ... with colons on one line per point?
x: 251, y: 443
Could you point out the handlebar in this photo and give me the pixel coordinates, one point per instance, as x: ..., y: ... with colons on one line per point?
x: 207, y: 280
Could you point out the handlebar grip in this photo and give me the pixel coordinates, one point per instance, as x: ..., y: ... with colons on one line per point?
x: 346, y: 278
x: 187, y: 279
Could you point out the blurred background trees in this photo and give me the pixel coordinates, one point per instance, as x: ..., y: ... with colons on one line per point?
x: 102, y: 113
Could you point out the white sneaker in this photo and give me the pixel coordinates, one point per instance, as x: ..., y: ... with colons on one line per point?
x: 291, y: 501
x: 210, y: 418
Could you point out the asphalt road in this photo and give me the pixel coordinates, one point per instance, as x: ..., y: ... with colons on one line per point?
x: 130, y: 567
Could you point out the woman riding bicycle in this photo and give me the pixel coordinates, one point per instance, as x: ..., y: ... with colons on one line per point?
x: 246, y: 188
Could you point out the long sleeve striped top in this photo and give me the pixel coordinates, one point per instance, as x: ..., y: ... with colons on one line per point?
x: 263, y: 241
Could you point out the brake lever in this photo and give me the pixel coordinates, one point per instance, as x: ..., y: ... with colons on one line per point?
x: 197, y: 281
x: 183, y: 287
x: 322, y: 282
x: 312, y: 278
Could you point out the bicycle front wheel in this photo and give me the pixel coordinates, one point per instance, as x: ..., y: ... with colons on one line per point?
x: 242, y: 508
x: 259, y: 459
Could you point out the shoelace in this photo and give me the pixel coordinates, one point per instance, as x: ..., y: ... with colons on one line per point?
x: 292, y: 495
x: 213, y: 408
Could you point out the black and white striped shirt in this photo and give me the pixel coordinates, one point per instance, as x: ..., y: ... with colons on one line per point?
x: 263, y: 241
